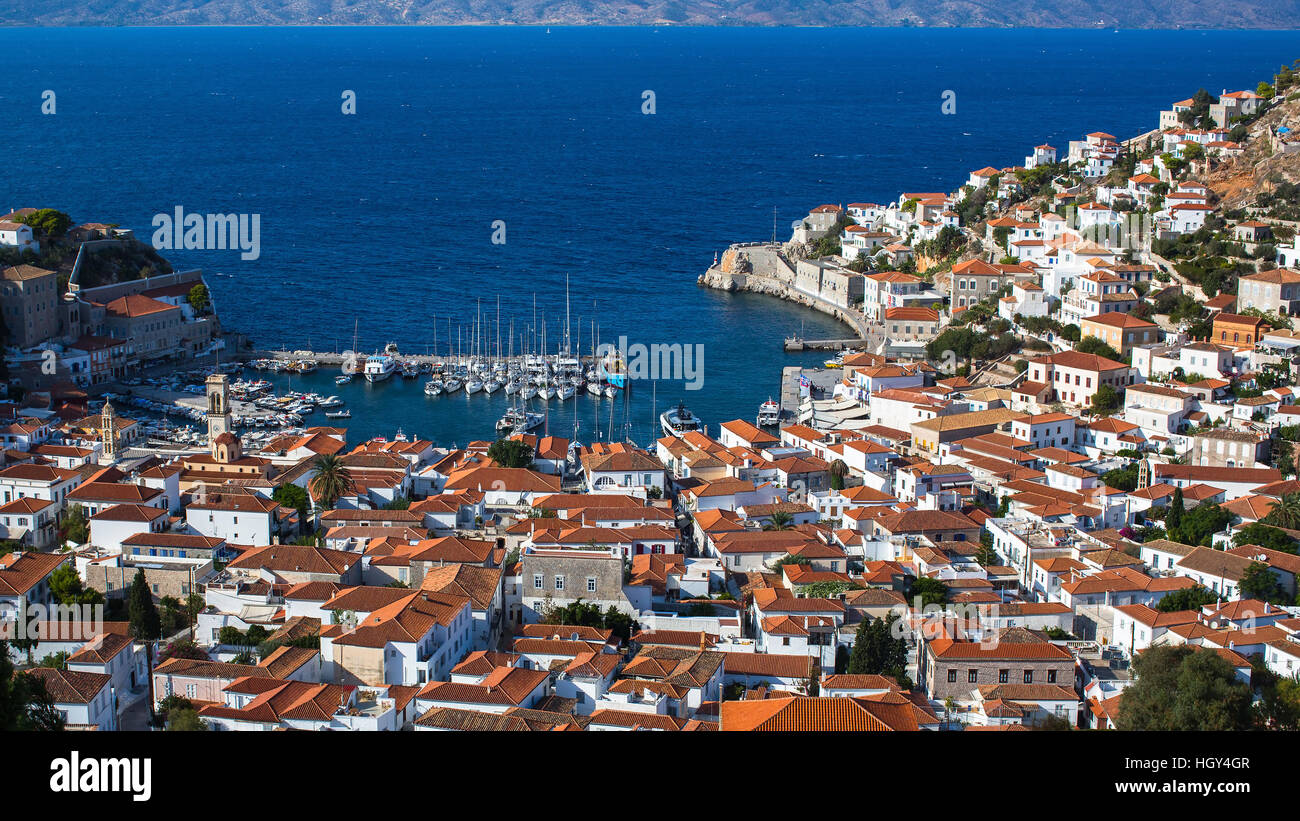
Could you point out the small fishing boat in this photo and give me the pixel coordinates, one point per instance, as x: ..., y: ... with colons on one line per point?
x: 343, y: 414
x: 433, y: 388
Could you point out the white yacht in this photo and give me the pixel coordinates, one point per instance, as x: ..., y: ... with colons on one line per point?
x: 679, y: 420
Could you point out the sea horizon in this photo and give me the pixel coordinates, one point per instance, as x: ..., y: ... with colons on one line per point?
x: 455, y: 131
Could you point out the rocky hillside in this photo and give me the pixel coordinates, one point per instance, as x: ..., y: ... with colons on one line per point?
x: 1279, y: 14
x: 1259, y: 168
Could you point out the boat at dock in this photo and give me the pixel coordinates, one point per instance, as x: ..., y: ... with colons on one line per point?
x: 433, y: 387
x: 379, y: 367
x: 612, y: 370
x: 679, y: 420
x: 769, y: 414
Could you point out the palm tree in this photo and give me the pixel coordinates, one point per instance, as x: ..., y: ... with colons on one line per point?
x: 838, y: 471
x: 332, y: 479
x: 1286, y: 513
x: 780, y: 520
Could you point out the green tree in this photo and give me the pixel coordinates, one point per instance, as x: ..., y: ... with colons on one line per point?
x: 331, y: 479
x: 838, y: 470
x: 777, y: 564
x: 779, y: 520
x: 1189, y: 598
x: 145, y: 622
x: 1105, y: 400
x: 1125, y: 478
x: 75, y: 527
x: 1094, y: 345
x: 292, y: 496
x: 1258, y: 582
x: 66, y: 587
x: 186, y: 721
x: 876, y: 651
x: 25, y: 704
x: 511, y: 453
x: 48, y: 222
x: 1260, y: 534
x: 932, y: 591
x: 1286, y: 513
x: 1199, y: 525
x: 1184, y: 688
x: 199, y: 298
x: 825, y: 590
x: 1174, y: 517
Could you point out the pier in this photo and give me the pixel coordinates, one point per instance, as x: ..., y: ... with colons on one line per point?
x: 794, y: 343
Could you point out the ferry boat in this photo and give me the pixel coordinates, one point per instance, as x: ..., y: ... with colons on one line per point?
x: 379, y: 367
x: 769, y: 413
x: 679, y: 420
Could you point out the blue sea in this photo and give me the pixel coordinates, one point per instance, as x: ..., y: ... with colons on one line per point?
x: 384, y: 220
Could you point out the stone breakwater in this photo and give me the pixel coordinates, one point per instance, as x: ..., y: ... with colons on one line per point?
x: 764, y: 269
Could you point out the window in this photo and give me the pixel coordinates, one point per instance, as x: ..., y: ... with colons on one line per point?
x: 559, y: 582
x: 1051, y: 676
x: 1029, y: 677
x: 973, y: 676
x: 591, y: 584
x: 785, y: 641
x: 537, y: 581
x: 952, y: 676
x: 1004, y: 676
x: 191, y: 691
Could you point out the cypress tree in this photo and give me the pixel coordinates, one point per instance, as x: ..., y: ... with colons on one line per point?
x: 860, y: 658
x: 1174, y: 517
x: 145, y: 622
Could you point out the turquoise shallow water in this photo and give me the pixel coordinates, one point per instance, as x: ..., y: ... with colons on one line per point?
x: 386, y: 218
